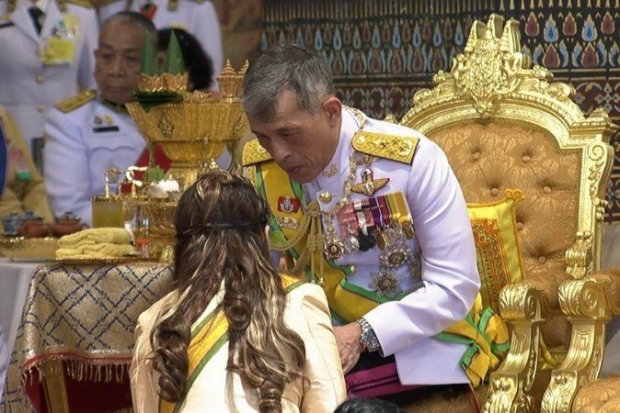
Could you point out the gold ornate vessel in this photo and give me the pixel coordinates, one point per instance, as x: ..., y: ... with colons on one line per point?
x: 192, y: 129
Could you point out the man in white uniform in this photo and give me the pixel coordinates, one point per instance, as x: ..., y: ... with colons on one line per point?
x: 197, y: 17
x: 46, y: 56
x: 92, y: 132
x: 392, y: 213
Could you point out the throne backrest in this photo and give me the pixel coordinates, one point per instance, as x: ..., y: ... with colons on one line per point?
x: 505, y: 124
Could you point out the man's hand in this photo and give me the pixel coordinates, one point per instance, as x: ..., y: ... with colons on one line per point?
x: 349, y: 346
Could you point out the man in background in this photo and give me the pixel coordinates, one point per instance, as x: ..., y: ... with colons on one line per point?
x: 197, y: 17
x: 46, y: 49
x: 92, y: 132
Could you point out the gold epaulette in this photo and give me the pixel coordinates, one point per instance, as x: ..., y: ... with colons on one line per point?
x: 174, y: 4
x: 84, y: 3
x: 254, y: 153
x: 76, y: 101
x: 396, y: 148
x: 106, y: 2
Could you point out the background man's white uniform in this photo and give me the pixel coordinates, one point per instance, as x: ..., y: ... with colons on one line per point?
x: 80, y: 146
x: 29, y: 87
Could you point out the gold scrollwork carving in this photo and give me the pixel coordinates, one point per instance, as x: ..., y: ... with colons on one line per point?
x: 521, y: 305
x: 579, y: 256
x: 584, y: 298
x: 520, y: 302
x: 558, y: 395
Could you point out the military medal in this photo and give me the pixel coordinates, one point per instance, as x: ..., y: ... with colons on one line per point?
x: 351, y: 243
x: 334, y: 248
x: 395, y: 256
x: 385, y: 284
x: 369, y: 186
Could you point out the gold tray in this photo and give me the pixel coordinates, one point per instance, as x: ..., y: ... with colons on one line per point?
x: 102, y: 260
x: 28, y: 248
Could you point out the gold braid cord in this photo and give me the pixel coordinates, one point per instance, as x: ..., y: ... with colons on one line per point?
x: 310, y: 230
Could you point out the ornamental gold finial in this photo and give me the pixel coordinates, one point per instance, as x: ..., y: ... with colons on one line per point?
x: 230, y: 81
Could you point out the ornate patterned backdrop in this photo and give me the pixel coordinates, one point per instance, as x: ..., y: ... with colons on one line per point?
x: 382, y: 51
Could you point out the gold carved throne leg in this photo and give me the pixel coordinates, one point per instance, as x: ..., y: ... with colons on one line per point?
x: 521, y: 306
x: 587, y: 306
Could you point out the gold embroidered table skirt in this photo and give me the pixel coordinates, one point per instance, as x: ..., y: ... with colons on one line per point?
x: 74, y: 344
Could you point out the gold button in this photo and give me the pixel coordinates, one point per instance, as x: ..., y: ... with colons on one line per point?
x: 542, y: 260
x: 519, y: 226
x: 41, y: 108
x: 547, y: 190
x: 494, y: 191
x: 325, y: 197
x: 476, y: 155
x: 40, y: 79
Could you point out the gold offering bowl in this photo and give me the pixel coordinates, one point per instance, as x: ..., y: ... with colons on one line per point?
x: 192, y: 133
x: 20, y: 247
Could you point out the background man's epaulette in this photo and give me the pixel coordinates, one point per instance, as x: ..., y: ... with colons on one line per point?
x: 396, y: 148
x: 76, y: 101
x: 106, y: 2
x: 253, y: 153
x: 84, y: 3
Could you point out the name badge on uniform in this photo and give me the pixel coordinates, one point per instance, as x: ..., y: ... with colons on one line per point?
x: 104, y: 124
x: 60, y: 45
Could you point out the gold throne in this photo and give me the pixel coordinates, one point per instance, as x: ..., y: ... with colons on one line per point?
x: 504, y: 124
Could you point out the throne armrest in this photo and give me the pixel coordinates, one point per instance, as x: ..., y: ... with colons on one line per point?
x: 588, y: 304
x: 522, y: 306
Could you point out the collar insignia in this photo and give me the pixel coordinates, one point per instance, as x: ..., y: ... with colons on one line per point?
x: 331, y: 171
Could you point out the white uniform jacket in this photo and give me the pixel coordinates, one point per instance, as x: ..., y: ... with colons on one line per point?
x: 196, y: 17
x: 444, y: 243
x: 29, y: 87
x: 80, y: 146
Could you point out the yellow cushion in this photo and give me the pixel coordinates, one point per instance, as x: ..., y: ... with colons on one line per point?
x: 497, y: 245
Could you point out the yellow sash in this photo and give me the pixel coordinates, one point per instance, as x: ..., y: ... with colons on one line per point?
x: 207, y: 339
x: 483, y: 331
x: 273, y: 183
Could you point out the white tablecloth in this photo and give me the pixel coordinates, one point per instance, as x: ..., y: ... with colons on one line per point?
x: 14, y: 281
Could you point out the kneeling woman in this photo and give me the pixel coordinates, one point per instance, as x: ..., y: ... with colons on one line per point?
x: 234, y: 335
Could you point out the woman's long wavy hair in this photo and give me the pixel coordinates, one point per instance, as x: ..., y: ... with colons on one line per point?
x: 220, y: 224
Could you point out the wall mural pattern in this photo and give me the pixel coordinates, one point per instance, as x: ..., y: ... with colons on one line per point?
x: 382, y: 51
